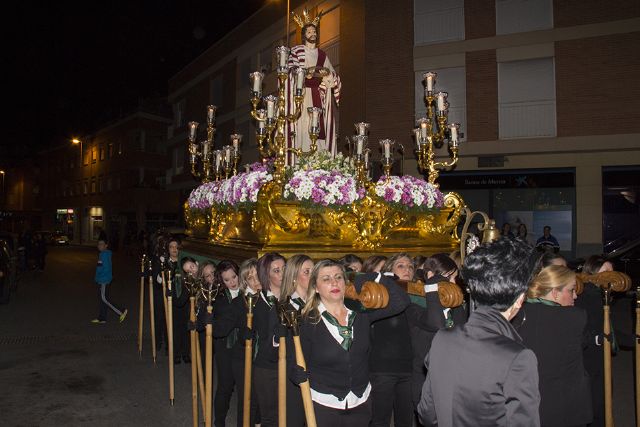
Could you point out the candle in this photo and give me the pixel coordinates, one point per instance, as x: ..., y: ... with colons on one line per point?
x: 246, y: 168
x: 418, y: 136
x: 424, y: 125
x: 235, y: 141
x: 282, y: 53
x: 366, y: 158
x: 359, y: 144
x: 271, y: 106
x: 261, y: 113
x: 386, y: 145
x: 429, y: 80
x: 453, y: 136
x: 205, y: 149
x: 314, y: 117
x: 299, y: 71
x: 193, y: 128
x: 256, y: 82
x: 218, y: 154
x: 227, y: 154
x: 362, y: 128
x: 211, y: 114
x: 442, y: 96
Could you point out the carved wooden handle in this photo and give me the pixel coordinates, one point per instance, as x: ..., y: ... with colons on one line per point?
x: 372, y: 294
x: 615, y: 281
x: 449, y: 293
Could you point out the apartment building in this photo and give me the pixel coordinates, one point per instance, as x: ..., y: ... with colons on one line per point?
x: 545, y: 91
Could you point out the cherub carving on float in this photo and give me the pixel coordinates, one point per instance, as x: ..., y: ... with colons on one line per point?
x: 322, y: 85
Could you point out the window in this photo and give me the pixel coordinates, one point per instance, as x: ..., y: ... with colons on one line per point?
x: 438, y: 21
x: 86, y: 187
x: 518, y: 16
x: 527, y: 98
x: 266, y: 60
x: 217, y: 91
x: 94, y: 154
x: 178, y: 114
x: 93, y: 185
x: 450, y: 80
x: 244, y: 69
x: 178, y: 160
x: 110, y: 150
x: 102, y: 152
x: 109, y: 183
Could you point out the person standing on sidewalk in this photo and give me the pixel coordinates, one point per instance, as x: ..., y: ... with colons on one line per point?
x: 103, y: 278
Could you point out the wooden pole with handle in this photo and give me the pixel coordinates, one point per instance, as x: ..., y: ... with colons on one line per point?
x: 143, y: 269
x: 152, y: 321
x: 250, y: 300
x: 170, y: 338
x: 194, y: 362
x: 638, y: 356
x: 282, y: 382
x: 293, y: 319
x: 200, y: 376
x: 208, y: 370
x: 608, y: 408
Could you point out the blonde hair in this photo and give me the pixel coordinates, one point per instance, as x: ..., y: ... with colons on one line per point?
x: 549, y: 278
x: 291, y: 270
x: 310, y: 311
x: 245, y: 269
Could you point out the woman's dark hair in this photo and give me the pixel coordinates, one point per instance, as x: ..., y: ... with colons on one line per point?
x: 522, y: 224
x: 223, y: 266
x: 440, y: 264
x: 187, y: 259
x: 349, y: 259
x: 370, y: 263
x: 499, y: 272
x: 593, y: 264
x: 264, y: 264
x: 547, y: 258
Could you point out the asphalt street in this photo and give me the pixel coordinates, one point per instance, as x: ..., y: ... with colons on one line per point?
x: 58, y: 369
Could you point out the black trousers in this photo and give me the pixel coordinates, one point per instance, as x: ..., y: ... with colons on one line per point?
x: 391, y: 394
x: 180, y: 332
x: 265, y: 383
x: 360, y: 416
x: 226, y: 381
x: 159, y: 318
x: 238, y: 373
x: 295, y: 408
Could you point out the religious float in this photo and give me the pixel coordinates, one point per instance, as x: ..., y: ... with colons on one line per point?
x: 304, y: 196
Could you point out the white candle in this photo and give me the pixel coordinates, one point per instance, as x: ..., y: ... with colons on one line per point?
x: 442, y: 96
x: 282, y: 52
x: 359, y: 146
x: 256, y: 81
x: 387, y: 150
x: 271, y: 106
x: 418, y: 135
x: 211, y: 113
x: 218, y: 159
x: 314, y: 116
x: 246, y: 168
x: 453, y: 137
x: 205, y: 149
x: 366, y: 159
x: 299, y: 77
x: 430, y: 79
x: 193, y: 127
x: 423, y: 127
x: 362, y: 128
x: 227, y: 154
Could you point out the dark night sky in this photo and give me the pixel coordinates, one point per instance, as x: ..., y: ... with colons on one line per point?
x: 76, y: 65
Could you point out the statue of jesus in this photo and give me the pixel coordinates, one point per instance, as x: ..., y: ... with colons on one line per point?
x: 322, y: 86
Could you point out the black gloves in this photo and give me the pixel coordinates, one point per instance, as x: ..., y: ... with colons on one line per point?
x: 281, y: 331
x: 298, y: 375
x: 248, y: 334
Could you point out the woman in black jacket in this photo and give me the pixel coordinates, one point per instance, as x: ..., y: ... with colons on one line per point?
x: 554, y: 329
x: 336, y: 341
x: 425, y: 322
x: 265, y: 322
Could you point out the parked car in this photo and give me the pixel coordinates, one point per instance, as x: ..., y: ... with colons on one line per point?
x: 59, y: 238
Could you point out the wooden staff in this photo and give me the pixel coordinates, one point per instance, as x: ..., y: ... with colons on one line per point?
x: 251, y: 300
x: 282, y: 383
x: 208, y: 368
x: 152, y: 321
x: 141, y: 315
x: 200, y: 376
x: 194, y: 362
x: 293, y: 317
x: 170, y: 338
x: 282, y: 371
x: 637, y: 356
x: 608, y: 409
x: 164, y: 295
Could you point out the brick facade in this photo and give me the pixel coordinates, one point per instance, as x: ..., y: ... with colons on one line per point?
x: 482, y: 96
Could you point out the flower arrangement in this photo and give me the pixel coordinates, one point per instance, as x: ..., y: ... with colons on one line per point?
x: 409, y: 193
x: 238, y: 192
x: 318, y: 187
x: 323, y: 159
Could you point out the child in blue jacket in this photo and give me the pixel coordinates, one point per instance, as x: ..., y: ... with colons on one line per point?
x: 103, y: 278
